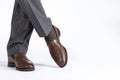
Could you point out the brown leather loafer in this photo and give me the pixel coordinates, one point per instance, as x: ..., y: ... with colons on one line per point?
x: 21, y: 62
x: 57, y: 50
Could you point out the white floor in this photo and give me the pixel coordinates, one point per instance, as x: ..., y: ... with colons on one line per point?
x: 90, y: 32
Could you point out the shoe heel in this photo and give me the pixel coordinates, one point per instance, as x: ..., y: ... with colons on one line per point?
x: 11, y: 64
x: 57, y: 31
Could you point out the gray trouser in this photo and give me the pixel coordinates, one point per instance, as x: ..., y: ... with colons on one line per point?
x: 27, y: 15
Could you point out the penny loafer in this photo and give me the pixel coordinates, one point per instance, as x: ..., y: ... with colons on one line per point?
x: 21, y: 62
x: 57, y: 50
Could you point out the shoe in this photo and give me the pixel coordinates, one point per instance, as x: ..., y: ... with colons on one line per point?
x: 57, y: 50
x: 21, y: 62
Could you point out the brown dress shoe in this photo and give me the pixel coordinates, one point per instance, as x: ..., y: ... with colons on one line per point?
x: 21, y: 62
x: 57, y: 50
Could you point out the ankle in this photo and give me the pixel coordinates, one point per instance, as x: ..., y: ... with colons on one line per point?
x: 51, y: 36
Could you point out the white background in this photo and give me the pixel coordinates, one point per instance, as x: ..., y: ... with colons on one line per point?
x: 90, y: 32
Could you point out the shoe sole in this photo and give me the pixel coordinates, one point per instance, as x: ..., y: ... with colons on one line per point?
x: 10, y: 64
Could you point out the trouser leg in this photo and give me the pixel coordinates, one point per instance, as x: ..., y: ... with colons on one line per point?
x: 37, y: 16
x: 21, y: 29
x: 28, y: 14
